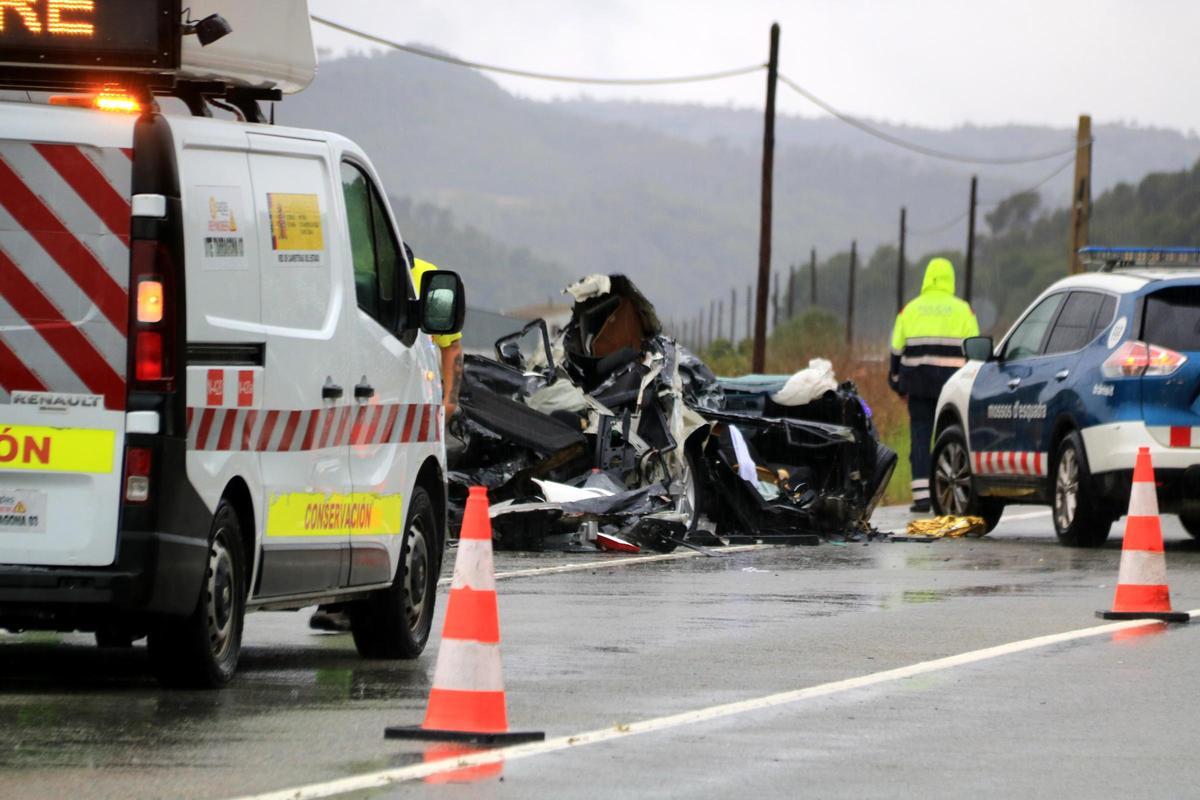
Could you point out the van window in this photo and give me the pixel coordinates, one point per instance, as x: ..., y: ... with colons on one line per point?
x: 1074, y: 326
x: 1026, y: 340
x: 357, y: 192
x: 379, y: 279
x: 392, y: 287
x: 1173, y: 318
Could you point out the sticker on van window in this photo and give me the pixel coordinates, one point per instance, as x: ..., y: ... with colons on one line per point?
x: 22, y: 511
x: 223, y: 236
x: 296, y: 234
x: 1118, y: 330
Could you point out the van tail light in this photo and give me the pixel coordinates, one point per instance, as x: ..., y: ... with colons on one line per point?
x: 137, y: 474
x: 149, y: 300
x: 1135, y: 359
x: 152, y: 317
x: 148, y: 356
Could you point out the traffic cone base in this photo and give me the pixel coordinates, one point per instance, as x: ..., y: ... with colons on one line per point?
x: 466, y: 703
x: 418, y: 734
x: 1163, y: 616
x: 1142, y: 591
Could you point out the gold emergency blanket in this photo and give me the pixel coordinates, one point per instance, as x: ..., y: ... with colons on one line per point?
x: 947, y: 527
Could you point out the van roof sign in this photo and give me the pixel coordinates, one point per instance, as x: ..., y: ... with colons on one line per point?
x: 91, y: 34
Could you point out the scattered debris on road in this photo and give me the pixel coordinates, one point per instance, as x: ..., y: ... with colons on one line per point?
x: 612, y: 436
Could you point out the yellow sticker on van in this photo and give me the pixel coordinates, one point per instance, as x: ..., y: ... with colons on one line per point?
x: 26, y: 447
x: 295, y: 222
x: 314, y: 514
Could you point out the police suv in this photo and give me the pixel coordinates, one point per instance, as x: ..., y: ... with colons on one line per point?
x: 217, y: 391
x: 1100, y: 365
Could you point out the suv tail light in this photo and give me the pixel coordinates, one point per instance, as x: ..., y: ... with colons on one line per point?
x: 1135, y: 359
x: 152, y: 322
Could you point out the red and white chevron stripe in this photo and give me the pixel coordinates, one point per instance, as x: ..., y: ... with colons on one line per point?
x: 1177, y: 435
x: 280, y: 431
x: 1007, y: 462
x: 64, y: 268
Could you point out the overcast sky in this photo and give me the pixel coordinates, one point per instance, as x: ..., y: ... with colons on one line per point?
x: 928, y: 62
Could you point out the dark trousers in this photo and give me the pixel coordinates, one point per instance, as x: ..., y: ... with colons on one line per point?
x: 920, y: 422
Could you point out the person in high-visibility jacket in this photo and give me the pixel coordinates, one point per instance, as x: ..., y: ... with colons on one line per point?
x: 926, y: 351
x: 449, y: 345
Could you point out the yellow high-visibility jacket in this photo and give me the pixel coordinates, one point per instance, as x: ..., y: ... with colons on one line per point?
x: 927, y: 339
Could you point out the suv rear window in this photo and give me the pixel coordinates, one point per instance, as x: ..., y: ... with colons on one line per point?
x: 1173, y: 318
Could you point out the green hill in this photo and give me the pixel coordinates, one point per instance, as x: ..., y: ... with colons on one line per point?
x: 674, y: 204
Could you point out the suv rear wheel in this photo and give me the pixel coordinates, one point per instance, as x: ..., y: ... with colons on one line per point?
x: 1081, y: 519
x: 952, y: 491
x: 395, y: 622
x: 201, y: 651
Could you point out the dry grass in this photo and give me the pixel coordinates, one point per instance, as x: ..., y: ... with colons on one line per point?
x: 821, y: 335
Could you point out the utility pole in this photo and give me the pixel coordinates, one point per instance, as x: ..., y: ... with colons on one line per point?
x: 1081, y: 192
x: 850, y: 294
x: 971, y: 240
x: 733, y: 317
x: 791, y: 304
x: 720, y: 318
x: 749, y: 313
x: 812, y: 275
x: 700, y: 330
x: 900, y: 261
x: 775, y: 305
x: 764, y: 237
x: 712, y: 317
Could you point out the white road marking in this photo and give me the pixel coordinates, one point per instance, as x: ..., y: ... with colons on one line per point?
x: 375, y: 780
x: 616, y: 561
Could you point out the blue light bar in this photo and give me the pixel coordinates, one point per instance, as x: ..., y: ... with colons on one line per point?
x: 1110, y: 258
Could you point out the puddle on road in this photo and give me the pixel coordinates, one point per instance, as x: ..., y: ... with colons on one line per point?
x: 1134, y: 635
x: 474, y: 774
x: 70, y: 704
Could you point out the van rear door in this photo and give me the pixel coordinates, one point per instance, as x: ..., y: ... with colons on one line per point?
x: 64, y: 272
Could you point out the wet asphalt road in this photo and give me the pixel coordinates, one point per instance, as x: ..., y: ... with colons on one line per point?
x: 1109, y: 716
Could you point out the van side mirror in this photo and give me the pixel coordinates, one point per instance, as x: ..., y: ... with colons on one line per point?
x: 443, y: 302
x: 979, y: 348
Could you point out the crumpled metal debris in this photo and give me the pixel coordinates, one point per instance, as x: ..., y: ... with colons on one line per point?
x: 612, y: 432
x: 947, y: 527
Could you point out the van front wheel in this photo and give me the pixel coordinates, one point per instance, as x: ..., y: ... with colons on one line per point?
x: 395, y: 622
x: 201, y: 651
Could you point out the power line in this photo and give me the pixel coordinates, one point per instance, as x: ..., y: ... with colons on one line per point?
x: 990, y: 203
x: 1036, y: 186
x: 866, y: 127
x: 945, y: 226
x: 544, y: 76
x: 698, y: 78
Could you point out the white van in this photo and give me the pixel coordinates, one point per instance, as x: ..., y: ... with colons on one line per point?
x: 216, y: 389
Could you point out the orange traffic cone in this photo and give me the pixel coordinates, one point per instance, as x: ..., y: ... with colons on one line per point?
x: 1142, y: 582
x: 466, y: 703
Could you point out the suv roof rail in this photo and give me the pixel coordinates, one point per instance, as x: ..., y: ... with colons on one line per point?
x: 1108, y: 259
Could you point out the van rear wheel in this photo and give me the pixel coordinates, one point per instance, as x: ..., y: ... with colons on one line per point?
x: 201, y: 651
x: 395, y: 622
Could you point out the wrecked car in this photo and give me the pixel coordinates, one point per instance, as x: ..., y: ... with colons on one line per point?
x: 611, y: 435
